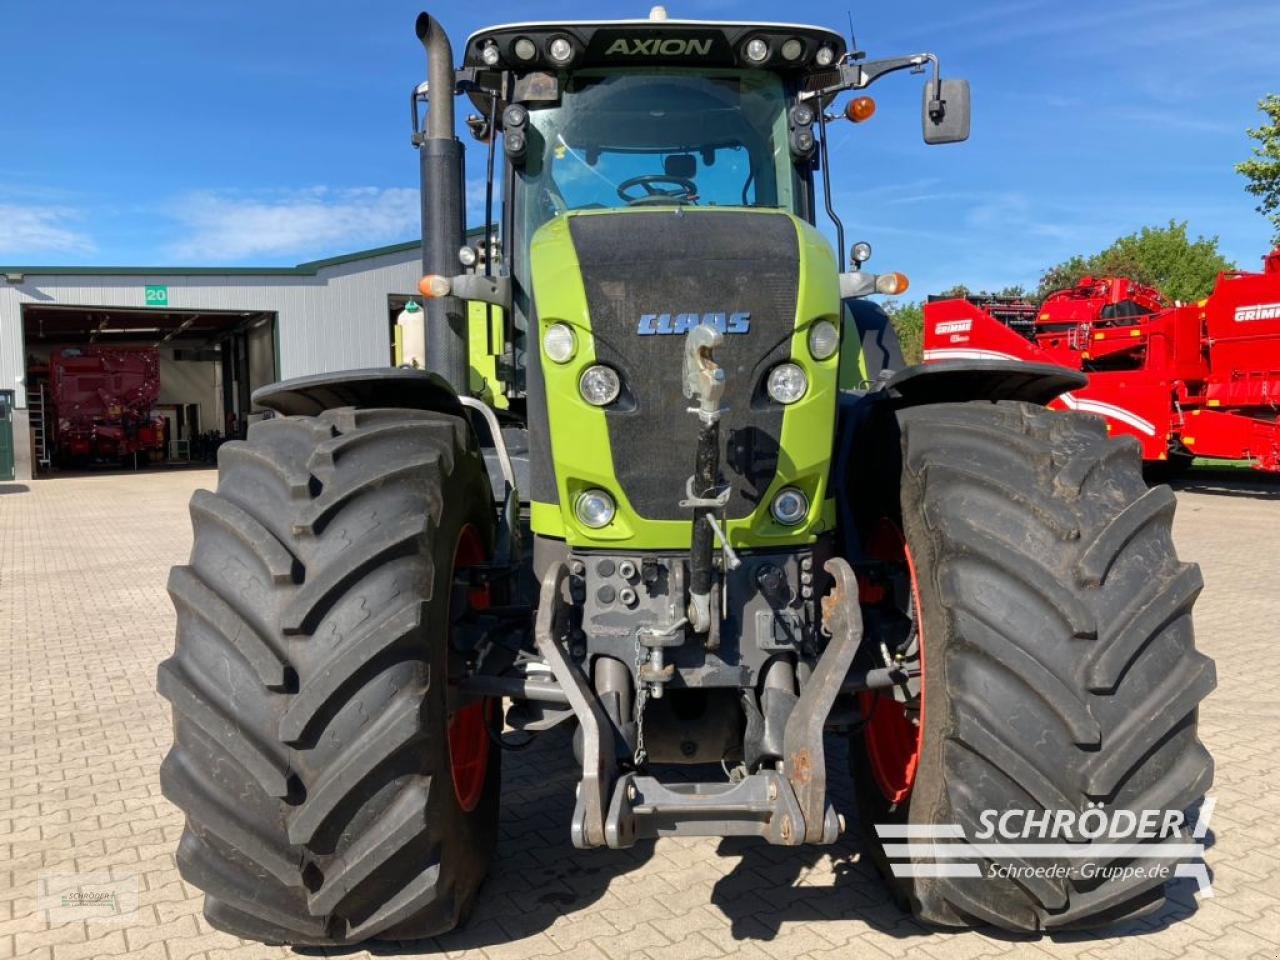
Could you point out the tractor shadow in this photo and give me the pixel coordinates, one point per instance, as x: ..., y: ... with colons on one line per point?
x: 770, y: 886
x: 7, y: 488
x: 537, y: 876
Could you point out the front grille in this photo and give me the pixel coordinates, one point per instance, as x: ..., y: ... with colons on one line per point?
x: 638, y: 263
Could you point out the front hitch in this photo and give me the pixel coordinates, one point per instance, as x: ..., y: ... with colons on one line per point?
x: 704, y: 382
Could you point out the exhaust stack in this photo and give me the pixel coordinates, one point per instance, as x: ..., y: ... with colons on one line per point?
x: 440, y: 155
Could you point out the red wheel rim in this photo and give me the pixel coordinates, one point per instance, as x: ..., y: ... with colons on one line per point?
x: 469, y: 725
x: 892, y: 739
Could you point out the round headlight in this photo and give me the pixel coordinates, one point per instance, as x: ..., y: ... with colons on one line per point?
x: 467, y: 256
x: 824, y: 340
x: 792, y: 49
x: 594, y: 509
x: 489, y: 54
x: 790, y: 506
x: 861, y: 251
x: 787, y: 383
x: 560, y: 50
x: 757, y: 50
x: 524, y: 49
x: 559, y: 343
x: 599, y: 385
x: 825, y: 56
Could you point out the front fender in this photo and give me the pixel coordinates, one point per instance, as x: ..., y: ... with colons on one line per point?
x: 378, y: 387
x: 955, y: 381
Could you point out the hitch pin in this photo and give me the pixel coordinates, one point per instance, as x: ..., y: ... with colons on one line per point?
x: 731, y: 559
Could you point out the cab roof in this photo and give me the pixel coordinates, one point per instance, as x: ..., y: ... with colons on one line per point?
x: 620, y: 43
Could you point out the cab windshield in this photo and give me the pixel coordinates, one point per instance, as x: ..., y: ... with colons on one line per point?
x: 658, y: 136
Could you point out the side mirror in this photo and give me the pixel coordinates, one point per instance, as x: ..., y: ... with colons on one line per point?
x: 946, y: 111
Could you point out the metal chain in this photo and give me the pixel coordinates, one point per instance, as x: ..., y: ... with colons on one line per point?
x: 642, y: 698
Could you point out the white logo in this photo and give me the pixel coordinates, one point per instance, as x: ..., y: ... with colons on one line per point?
x: 953, y: 326
x: 670, y: 47
x: 1092, y: 843
x: 1259, y: 311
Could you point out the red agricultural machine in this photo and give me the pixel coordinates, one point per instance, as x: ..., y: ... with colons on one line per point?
x: 102, y: 403
x: 1186, y: 380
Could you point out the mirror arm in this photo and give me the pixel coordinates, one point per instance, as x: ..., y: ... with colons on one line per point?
x: 495, y: 290
x: 859, y: 76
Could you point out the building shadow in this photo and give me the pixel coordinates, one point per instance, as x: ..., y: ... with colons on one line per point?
x: 1228, y: 482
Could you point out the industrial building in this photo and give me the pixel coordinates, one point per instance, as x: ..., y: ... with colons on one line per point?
x: 218, y: 333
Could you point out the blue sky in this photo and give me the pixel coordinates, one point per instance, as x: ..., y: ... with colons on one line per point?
x: 275, y: 132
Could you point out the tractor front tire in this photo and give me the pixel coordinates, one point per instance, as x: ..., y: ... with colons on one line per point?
x: 314, y: 753
x: 1059, y: 667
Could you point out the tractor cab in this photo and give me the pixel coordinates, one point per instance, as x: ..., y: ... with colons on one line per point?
x: 639, y: 113
x: 652, y: 113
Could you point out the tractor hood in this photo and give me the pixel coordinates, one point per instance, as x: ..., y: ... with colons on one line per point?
x: 631, y: 284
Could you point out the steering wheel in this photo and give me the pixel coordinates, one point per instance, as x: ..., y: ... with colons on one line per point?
x: 684, y: 189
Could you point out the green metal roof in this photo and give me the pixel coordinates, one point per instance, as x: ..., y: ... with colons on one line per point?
x: 308, y: 269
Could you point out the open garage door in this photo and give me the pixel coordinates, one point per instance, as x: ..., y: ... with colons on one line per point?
x: 111, y: 387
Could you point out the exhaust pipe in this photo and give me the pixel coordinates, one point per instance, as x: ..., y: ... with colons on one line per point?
x: 440, y: 156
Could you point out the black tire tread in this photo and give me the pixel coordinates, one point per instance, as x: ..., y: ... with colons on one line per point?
x: 1068, y: 607
x: 305, y: 771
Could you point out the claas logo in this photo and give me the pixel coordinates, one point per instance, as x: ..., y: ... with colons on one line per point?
x: 674, y: 323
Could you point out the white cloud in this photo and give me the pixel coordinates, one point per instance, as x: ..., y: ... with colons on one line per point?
x: 237, y: 225
x: 27, y: 231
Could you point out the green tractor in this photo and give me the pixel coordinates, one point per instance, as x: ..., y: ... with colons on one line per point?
x: 713, y: 522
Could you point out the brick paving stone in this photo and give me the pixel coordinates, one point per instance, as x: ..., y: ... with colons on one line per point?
x: 84, y: 620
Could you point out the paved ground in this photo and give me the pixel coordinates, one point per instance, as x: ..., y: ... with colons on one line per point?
x: 84, y: 620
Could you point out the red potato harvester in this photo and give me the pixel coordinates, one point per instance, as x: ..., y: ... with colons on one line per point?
x: 102, y: 399
x: 1185, y: 380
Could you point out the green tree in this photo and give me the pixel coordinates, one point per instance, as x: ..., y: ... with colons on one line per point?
x: 1262, y: 169
x: 908, y: 323
x: 1164, y: 257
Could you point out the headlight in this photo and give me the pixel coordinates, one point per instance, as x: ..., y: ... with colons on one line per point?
x: 825, y: 56
x: 787, y: 383
x: 861, y: 252
x: 561, y: 50
x: 467, y: 256
x: 559, y: 343
x: 525, y: 49
x: 757, y: 51
x: 594, y: 509
x: 599, y: 385
x: 792, y: 49
x: 802, y: 115
x: 892, y: 284
x: 790, y: 506
x: 490, y: 54
x: 824, y: 340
